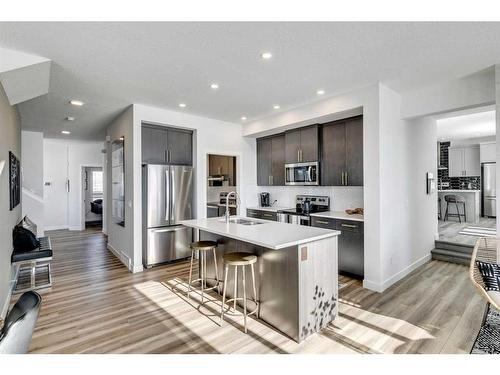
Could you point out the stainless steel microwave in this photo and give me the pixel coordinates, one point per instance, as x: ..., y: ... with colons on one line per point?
x: 302, y: 173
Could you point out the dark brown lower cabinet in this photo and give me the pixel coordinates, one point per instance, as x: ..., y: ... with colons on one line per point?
x: 350, y: 243
x: 262, y: 214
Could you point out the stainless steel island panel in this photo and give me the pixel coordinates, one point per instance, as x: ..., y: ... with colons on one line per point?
x: 296, y: 286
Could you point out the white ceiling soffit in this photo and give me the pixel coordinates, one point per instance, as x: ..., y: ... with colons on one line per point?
x: 23, y: 76
x: 110, y: 65
x: 467, y: 126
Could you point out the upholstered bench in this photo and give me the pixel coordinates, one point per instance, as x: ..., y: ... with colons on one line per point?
x: 37, y: 258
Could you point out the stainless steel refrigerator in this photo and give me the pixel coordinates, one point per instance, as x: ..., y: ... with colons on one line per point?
x: 489, y: 190
x: 167, y: 199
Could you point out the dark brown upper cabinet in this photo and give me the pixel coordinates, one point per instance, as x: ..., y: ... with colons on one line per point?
x: 271, y: 161
x: 302, y: 145
x: 162, y: 145
x: 342, y: 153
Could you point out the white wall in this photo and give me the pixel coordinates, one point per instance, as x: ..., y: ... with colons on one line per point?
x: 474, y: 90
x: 10, y: 140
x: 408, y: 215
x: 32, y: 156
x: 365, y: 101
x: 32, y: 178
x: 497, y: 95
x: 63, y: 160
x: 121, y: 239
x: 210, y: 136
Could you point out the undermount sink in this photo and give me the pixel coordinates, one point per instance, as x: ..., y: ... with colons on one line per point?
x: 243, y: 221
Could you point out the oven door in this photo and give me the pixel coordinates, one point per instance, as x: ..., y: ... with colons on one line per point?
x: 299, y: 220
x: 302, y: 174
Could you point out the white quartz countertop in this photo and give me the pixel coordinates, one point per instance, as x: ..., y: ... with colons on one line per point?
x: 271, y: 209
x: 339, y: 215
x: 270, y: 234
x: 458, y: 191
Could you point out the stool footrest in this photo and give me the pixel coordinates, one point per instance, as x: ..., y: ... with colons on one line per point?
x: 254, y: 311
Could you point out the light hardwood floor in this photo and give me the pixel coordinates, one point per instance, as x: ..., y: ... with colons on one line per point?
x: 449, y: 230
x: 97, y: 306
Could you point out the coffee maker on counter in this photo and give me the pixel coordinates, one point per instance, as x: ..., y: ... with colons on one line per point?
x: 265, y: 200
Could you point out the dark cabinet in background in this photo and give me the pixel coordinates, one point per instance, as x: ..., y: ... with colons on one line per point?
x: 262, y: 214
x: 162, y: 145
x: 350, y: 243
x: 154, y: 145
x: 271, y: 161
x: 342, y: 153
x: 302, y: 145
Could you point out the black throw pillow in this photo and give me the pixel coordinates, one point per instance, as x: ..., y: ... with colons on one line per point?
x: 491, y: 275
x: 23, y: 239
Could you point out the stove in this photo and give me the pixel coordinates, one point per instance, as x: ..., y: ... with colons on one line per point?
x: 304, y: 206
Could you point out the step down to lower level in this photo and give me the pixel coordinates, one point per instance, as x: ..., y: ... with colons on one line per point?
x: 452, y: 252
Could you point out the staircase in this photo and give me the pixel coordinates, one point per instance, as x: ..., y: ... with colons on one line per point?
x: 452, y: 252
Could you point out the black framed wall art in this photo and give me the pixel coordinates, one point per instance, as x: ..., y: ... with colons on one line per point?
x: 14, y: 180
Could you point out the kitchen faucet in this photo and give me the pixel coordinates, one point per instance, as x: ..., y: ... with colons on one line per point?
x: 237, y: 200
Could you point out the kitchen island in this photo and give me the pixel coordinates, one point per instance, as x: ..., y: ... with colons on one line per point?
x: 472, y: 204
x: 296, y: 273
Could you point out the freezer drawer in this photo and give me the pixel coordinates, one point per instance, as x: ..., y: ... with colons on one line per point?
x: 490, y: 206
x: 167, y: 244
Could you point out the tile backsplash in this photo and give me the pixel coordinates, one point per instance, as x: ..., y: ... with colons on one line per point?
x: 462, y: 183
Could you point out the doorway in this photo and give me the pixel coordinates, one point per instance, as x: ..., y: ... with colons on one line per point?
x: 92, y: 195
x: 221, y: 180
x: 466, y: 176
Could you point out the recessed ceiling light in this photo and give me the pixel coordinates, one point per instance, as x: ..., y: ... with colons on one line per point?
x: 320, y: 92
x: 214, y: 86
x: 78, y: 103
x: 276, y: 106
x: 182, y: 105
x: 243, y: 118
x: 70, y: 118
x: 266, y: 55
x: 65, y: 132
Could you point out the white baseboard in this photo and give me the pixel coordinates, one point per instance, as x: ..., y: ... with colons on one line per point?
x: 56, y: 227
x: 125, y: 259
x: 78, y: 228
x: 377, y: 287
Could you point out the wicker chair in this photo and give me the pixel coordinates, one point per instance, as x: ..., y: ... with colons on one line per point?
x: 485, y: 250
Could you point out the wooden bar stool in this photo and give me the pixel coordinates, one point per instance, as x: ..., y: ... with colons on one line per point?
x: 202, y: 247
x: 456, y: 200
x: 239, y: 260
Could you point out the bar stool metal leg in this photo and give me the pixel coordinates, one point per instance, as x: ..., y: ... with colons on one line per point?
x: 235, y: 287
x: 244, y: 300
x: 226, y: 271
x: 190, y: 274
x: 254, y: 289
x: 458, y: 212
x: 202, y: 256
x: 216, y: 271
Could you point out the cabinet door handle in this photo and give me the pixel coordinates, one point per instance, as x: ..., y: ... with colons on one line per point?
x: 349, y: 225
x: 272, y: 180
x: 342, y: 179
x: 169, y: 156
x: 322, y: 222
x: 298, y: 155
x: 346, y: 179
x: 166, y: 156
x: 268, y: 215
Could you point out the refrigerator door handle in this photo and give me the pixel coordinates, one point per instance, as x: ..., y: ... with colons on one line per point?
x: 172, y: 196
x: 167, y: 195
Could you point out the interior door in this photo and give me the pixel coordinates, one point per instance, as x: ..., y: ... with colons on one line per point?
x: 181, y: 194
x: 55, y: 175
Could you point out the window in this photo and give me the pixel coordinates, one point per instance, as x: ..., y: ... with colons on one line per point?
x: 96, y: 185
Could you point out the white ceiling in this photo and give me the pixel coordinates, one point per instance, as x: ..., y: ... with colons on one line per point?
x: 111, y: 65
x: 467, y: 126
